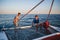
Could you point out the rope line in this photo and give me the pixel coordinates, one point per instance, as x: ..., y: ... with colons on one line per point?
x: 50, y: 9
x: 32, y: 9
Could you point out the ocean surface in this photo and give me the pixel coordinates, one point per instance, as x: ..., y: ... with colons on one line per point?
x: 6, y: 20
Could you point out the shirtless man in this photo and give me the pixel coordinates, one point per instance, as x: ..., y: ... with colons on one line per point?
x: 16, y: 19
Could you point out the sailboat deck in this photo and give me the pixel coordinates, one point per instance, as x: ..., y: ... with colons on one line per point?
x: 3, y: 36
x: 26, y: 33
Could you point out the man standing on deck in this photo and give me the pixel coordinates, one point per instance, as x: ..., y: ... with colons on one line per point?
x: 15, y: 22
x: 16, y: 19
x: 36, y: 22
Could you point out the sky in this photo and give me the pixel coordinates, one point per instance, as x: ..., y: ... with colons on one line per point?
x: 23, y: 6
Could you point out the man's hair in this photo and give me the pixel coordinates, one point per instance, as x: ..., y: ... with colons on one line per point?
x: 36, y: 15
x: 19, y: 13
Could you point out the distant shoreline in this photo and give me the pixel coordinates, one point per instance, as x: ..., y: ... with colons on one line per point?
x: 34, y: 13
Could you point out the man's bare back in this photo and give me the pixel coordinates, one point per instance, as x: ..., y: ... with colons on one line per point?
x: 16, y: 19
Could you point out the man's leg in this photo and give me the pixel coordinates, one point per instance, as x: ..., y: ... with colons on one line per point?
x: 16, y: 35
x: 36, y: 27
x: 16, y: 24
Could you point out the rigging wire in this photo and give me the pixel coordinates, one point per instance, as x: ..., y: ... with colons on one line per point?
x: 32, y: 9
x: 50, y: 9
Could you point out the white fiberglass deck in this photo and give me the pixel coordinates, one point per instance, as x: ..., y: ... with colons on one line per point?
x: 3, y: 36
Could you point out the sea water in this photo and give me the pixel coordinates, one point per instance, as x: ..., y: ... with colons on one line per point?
x: 6, y: 20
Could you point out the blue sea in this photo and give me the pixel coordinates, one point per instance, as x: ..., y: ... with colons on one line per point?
x: 6, y: 20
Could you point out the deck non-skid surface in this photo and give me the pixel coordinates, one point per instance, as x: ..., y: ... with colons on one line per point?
x: 26, y: 34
